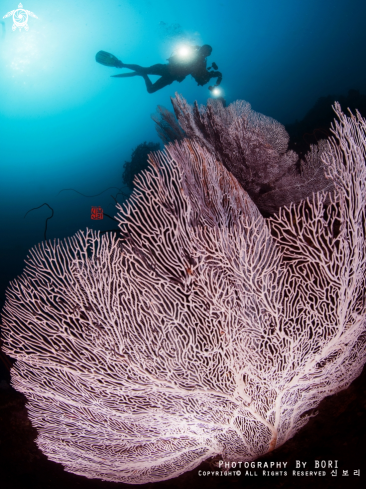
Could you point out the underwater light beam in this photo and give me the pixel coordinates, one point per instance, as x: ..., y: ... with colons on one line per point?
x: 185, y: 51
x: 217, y: 92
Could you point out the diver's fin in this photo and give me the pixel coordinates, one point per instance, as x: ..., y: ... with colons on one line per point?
x: 108, y: 59
x: 126, y: 75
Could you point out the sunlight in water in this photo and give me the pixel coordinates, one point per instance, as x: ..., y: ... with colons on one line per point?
x: 22, y: 54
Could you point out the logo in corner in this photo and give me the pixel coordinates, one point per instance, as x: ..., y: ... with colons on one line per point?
x: 20, y: 17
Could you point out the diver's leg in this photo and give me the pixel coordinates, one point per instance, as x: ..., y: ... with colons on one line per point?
x: 154, y: 87
x: 137, y: 68
x: 151, y: 87
x: 158, y: 69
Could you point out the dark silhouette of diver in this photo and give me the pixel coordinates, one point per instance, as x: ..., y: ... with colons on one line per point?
x: 176, y: 70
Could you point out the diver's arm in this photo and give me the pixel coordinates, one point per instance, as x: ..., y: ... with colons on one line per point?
x: 218, y: 75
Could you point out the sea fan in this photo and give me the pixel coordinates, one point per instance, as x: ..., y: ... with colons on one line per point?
x: 204, y: 329
x: 253, y: 147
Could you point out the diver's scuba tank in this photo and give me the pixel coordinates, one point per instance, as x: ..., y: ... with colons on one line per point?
x: 107, y: 59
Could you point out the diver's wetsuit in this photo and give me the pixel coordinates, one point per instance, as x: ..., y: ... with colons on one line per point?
x: 175, y: 70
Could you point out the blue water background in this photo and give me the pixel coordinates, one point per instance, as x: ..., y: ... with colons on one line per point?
x: 64, y: 123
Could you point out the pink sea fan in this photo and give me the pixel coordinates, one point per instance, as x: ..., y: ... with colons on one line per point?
x: 205, y: 329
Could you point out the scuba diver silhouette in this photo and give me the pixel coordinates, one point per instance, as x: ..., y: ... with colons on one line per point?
x: 176, y: 70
